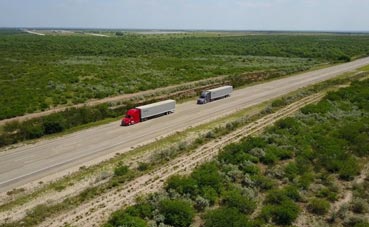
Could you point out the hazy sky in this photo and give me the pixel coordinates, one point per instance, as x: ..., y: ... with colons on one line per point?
x: 344, y: 15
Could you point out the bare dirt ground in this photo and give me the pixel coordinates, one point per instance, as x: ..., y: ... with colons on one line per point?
x: 307, y: 220
x: 347, y: 194
x: 95, y: 212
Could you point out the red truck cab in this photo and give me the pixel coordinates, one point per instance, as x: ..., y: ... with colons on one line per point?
x: 132, y: 117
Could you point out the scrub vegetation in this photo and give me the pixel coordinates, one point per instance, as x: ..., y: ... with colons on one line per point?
x: 114, y: 174
x: 292, y: 173
x: 42, y: 72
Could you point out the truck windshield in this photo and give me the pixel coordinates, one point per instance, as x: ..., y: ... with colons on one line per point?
x: 128, y: 116
x: 203, y: 95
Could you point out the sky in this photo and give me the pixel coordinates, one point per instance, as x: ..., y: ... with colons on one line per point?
x: 311, y: 15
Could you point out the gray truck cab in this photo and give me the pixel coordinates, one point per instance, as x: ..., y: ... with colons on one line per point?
x: 204, y: 97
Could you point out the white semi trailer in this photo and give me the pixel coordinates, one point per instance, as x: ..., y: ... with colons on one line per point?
x: 214, y: 94
x: 145, y: 112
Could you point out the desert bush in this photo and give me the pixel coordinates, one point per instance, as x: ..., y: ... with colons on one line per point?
x: 327, y: 193
x: 359, y: 206
x: 120, y: 218
x: 182, y: 185
x: 201, y: 203
x: 143, y: 210
x: 226, y: 217
x: 241, y: 202
x: 143, y: 166
x: 121, y: 170
x: 355, y: 220
x: 318, y: 206
x: 349, y: 169
x: 283, y: 213
x: 177, y: 212
x: 264, y: 183
x: 207, y: 175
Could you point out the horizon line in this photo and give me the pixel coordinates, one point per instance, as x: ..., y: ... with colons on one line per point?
x: 185, y: 29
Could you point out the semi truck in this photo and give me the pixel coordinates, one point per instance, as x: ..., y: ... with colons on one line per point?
x: 214, y: 94
x: 142, y: 113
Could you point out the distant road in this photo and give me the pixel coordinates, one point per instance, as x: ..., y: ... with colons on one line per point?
x: 97, y: 34
x: 33, y: 32
x: 32, y: 162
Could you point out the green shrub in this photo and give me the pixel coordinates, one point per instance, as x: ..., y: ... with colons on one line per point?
x: 320, y: 108
x: 283, y: 213
x: 207, y: 175
x: 182, y: 185
x: 269, y: 158
x: 305, y: 180
x: 278, y: 102
x: 344, y: 58
x: 222, y: 217
x: 33, y: 131
x: 52, y: 127
x: 264, y: 183
x: 142, y: 210
x: 359, y: 206
x: 177, y: 212
x: 328, y: 194
x: 143, y: 166
x: 362, y: 224
x: 236, y: 154
x: 319, y: 206
x: 290, y: 124
x: 277, y: 196
x: 356, y: 220
x: 291, y: 170
x: 120, y: 218
x: 349, y: 169
x: 241, y: 202
x: 292, y: 192
x: 210, y: 194
x: 250, y: 168
x: 121, y: 170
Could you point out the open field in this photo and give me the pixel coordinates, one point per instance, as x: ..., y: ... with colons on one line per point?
x: 41, y: 72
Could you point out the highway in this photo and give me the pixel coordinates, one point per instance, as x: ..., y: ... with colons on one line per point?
x: 32, y: 162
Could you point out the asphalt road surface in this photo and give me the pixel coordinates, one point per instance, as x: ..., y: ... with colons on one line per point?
x: 32, y: 162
